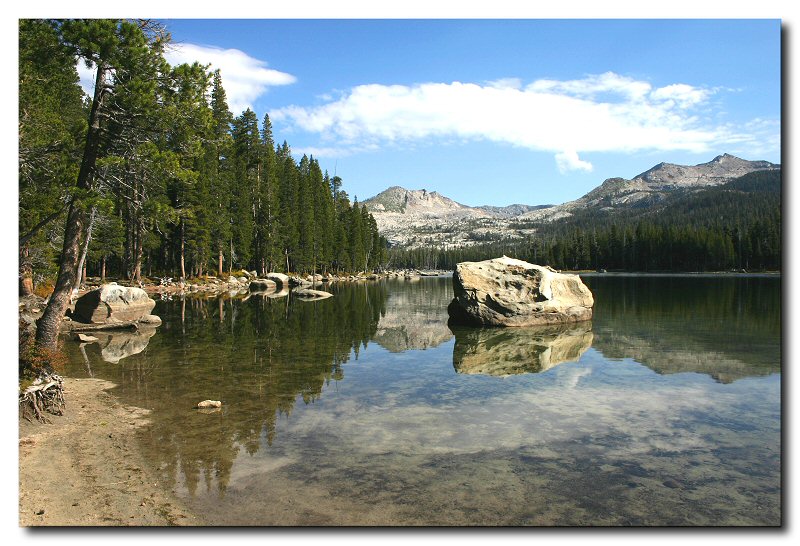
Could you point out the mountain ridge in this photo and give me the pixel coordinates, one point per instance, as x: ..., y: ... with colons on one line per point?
x: 422, y: 218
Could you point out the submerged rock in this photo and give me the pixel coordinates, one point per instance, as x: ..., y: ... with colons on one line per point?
x: 209, y: 404
x: 151, y: 320
x: 509, y: 292
x: 262, y: 285
x: 510, y: 351
x: 308, y: 294
x: 112, y: 303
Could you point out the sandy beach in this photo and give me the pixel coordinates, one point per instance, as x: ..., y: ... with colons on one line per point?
x: 85, y: 468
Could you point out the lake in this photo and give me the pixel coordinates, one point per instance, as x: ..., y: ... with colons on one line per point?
x: 366, y: 409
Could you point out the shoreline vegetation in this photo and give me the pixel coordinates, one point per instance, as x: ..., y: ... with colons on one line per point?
x: 213, y: 285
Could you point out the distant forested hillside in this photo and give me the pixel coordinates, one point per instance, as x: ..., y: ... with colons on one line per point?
x: 736, y: 225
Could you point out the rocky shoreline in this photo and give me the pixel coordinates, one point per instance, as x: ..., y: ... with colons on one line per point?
x: 32, y: 306
x: 240, y: 283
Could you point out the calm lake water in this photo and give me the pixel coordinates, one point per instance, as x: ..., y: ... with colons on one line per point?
x: 366, y: 409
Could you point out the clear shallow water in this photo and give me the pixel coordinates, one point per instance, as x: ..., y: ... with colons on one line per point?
x: 367, y: 409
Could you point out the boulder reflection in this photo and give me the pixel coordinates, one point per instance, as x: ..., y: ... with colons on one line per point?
x: 510, y: 351
x: 119, y: 344
x: 266, y: 356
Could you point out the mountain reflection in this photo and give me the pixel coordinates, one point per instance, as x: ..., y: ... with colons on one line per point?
x: 416, y: 317
x: 263, y: 356
x: 510, y: 351
x: 725, y: 327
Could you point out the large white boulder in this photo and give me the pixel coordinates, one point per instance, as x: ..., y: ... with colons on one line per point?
x: 262, y: 285
x: 281, y: 280
x: 510, y: 292
x: 113, y: 303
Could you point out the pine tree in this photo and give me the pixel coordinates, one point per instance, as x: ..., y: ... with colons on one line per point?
x: 356, y: 237
x: 245, y: 185
x: 287, y: 206
x: 267, y: 226
x: 218, y: 171
x: 52, y: 122
x: 127, y: 57
x: 303, y: 256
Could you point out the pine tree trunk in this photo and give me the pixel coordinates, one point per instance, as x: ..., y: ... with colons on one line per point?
x: 103, y: 269
x: 138, y: 249
x: 25, y: 285
x: 81, y: 272
x: 48, y: 325
x: 183, y: 245
x: 25, y: 273
x: 219, y: 267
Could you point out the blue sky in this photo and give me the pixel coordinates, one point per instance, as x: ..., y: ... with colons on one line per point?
x: 500, y: 111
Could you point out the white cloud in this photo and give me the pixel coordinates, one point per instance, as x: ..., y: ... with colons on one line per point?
x: 569, y: 161
x: 683, y: 95
x: 600, y: 113
x: 594, y: 85
x: 244, y: 78
x: 87, y: 76
x: 506, y: 83
x: 326, y: 151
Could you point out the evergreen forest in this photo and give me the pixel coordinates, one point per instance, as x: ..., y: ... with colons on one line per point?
x: 155, y: 176
x: 734, y: 226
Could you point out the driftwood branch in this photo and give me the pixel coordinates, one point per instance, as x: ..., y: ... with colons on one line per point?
x: 46, y: 395
x: 67, y: 326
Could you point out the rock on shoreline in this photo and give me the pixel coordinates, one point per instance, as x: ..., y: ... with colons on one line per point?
x: 509, y: 292
x: 113, y: 303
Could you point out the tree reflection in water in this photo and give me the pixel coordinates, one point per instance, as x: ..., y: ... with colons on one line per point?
x: 261, y: 356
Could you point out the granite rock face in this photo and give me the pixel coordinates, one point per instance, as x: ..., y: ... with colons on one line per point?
x: 509, y: 292
x: 113, y: 303
x: 280, y: 280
